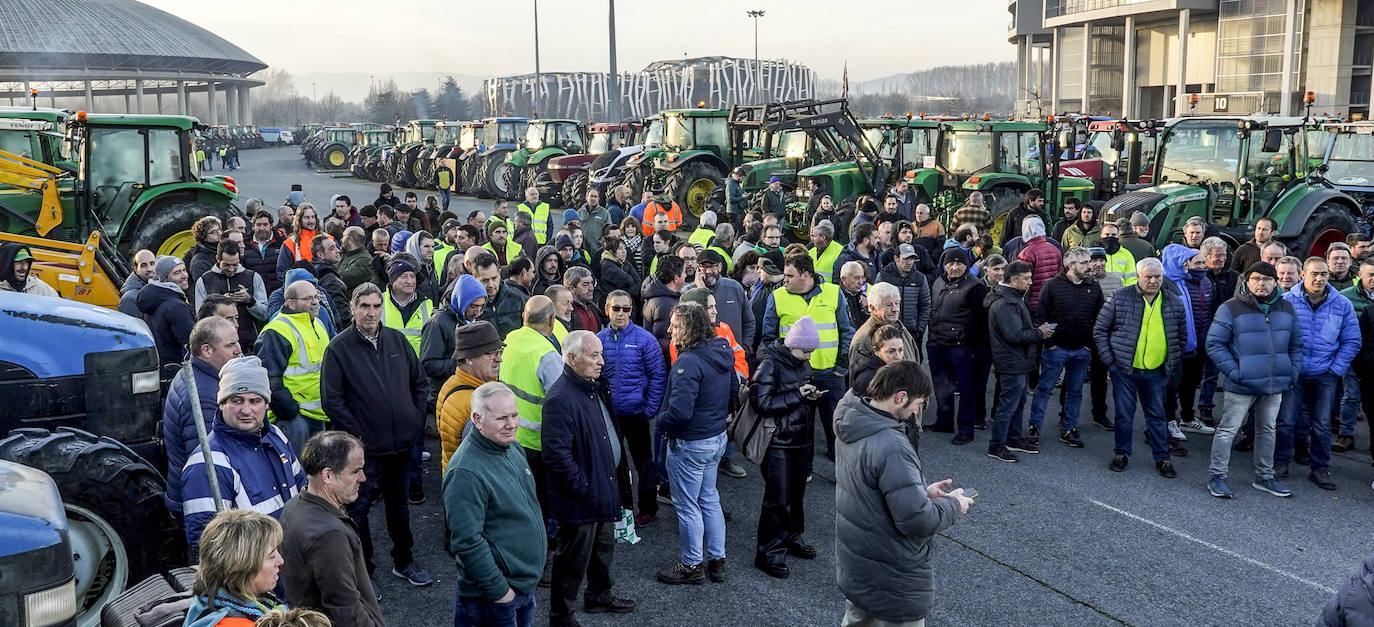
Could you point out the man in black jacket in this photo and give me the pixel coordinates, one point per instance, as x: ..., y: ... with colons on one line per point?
x: 1069, y: 302
x: 957, y: 318
x: 1014, y: 339
x: 582, y: 454
x: 1032, y: 204
x: 372, y: 387
x: 261, y: 250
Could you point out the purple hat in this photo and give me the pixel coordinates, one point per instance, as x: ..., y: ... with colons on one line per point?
x: 803, y: 335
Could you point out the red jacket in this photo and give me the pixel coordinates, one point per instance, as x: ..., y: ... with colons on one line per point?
x: 1046, y: 261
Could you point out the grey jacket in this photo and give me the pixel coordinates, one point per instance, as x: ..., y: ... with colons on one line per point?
x: 884, y: 523
x: 128, y: 295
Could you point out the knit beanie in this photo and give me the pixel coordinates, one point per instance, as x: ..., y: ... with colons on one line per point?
x: 695, y: 295
x: 1263, y: 268
x: 165, y: 265
x: 397, y: 267
x: 561, y: 242
x: 243, y: 375
x: 803, y: 335
x: 398, y: 241
x: 571, y: 216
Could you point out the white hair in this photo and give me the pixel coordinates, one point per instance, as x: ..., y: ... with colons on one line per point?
x: 882, y: 292
x: 1148, y: 263
x: 485, y: 393
x: 1212, y: 243
x: 574, y: 343
x: 853, y: 268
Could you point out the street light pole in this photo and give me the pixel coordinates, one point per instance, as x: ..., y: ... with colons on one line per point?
x: 758, y: 68
x: 613, y: 85
x: 538, y: 84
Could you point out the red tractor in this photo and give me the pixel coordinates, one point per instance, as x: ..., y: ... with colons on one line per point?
x: 1116, y: 155
x: 569, y: 174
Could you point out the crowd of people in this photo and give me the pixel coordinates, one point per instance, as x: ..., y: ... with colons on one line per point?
x: 580, y: 373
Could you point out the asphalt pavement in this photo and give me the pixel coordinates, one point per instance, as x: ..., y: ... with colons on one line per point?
x: 1054, y: 539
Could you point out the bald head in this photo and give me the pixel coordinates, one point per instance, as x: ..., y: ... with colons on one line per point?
x: 301, y: 296
x: 539, y: 313
x: 145, y: 265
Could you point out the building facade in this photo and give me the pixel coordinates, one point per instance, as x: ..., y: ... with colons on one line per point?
x: 1147, y: 58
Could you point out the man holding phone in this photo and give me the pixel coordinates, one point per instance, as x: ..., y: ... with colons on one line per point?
x: 886, y: 515
x: 1068, y: 304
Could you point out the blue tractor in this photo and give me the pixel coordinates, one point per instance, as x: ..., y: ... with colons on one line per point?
x: 37, y: 567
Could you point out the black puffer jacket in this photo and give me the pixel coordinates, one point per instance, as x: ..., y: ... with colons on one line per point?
x: 506, y: 311
x: 1118, y: 329
x: 958, y: 317
x: 1074, y: 307
x: 915, y: 292
x: 199, y: 260
x: 169, y: 317
x: 776, y: 392
x: 659, y: 301
x: 616, y: 275
x: 1011, y: 332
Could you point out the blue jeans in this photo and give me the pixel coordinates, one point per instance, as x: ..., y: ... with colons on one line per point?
x: 483, y: 612
x: 1350, y: 403
x: 692, y: 475
x: 1075, y: 364
x: 1146, y: 387
x: 443, y: 199
x: 1011, y: 402
x: 953, y: 371
x: 1305, y: 417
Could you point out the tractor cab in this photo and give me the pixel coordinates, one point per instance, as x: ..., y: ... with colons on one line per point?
x: 570, y: 173
x: 1118, y: 155
x: 694, y: 160
x: 1348, y: 160
x: 765, y: 145
x: 566, y: 135
x: 613, y: 168
x: 500, y: 137
x: 38, y: 134
x: 528, y: 165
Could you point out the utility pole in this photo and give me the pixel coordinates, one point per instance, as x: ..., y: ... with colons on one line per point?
x: 613, y: 85
x: 538, y: 82
x: 758, y: 68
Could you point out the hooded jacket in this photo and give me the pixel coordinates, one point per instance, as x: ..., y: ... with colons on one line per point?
x: 659, y: 301
x: 31, y: 284
x: 436, y: 343
x: 580, y: 454
x: 701, y: 385
x: 776, y: 392
x: 333, y: 286
x: 1191, y: 291
x: 542, y: 282
x: 1353, y: 604
x: 169, y: 317
x: 200, y: 259
x: 1046, y: 261
x: 1011, y: 332
x: 851, y: 253
x: 1256, y: 345
x: 355, y: 268
x: 634, y: 370
x: 506, y: 311
x: 278, y: 298
x: 374, y: 392
x: 1330, y: 332
x: 179, y: 427
x: 617, y: 275
x: 426, y: 283
x: 915, y: 290
x: 884, y: 522
x: 128, y: 295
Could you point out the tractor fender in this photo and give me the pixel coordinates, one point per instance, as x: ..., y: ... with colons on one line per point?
x: 927, y: 181
x: 994, y: 179
x: 645, y: 155
x: 1295, y: 207
x: 702, y: 156
x: 544, y: 154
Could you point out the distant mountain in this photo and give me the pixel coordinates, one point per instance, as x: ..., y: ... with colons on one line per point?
x: 353, y: 86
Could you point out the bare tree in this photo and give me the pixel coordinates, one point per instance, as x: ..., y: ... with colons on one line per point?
x: 329, y: 106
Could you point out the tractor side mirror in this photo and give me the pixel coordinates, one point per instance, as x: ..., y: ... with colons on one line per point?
x: 1273, y: 140
x: 1118, y: 141
x: 1063, y: 141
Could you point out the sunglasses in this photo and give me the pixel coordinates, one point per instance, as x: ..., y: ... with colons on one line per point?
x: 621, y: 308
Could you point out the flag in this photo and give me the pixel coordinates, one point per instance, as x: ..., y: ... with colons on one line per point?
x: 844, y: 93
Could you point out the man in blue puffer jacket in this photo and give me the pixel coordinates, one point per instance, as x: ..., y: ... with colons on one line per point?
x: 214, y: 341
x: 1331, y: 339
x: 1255, y: 342
x: 637, y: 375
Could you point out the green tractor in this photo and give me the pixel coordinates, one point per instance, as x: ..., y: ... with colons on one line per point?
x: 527, y: 166
x: 1231, y: 171
x: 765, y: 152
x: 134, y: 178
x: 403, y: 162
x: 676, y: 133
x: 330, y: 148
x: 365, y: 161
x: 1347, y: 160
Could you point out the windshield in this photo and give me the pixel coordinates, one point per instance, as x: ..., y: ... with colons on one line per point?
x: 1100, y: 147
x: 1352, y: 160
x: 345, y: 136
x: 966, y: 152
x: 1201, y: 152
x: 117, y: 156
x: 679, y: 136
x: 919, y: 145
x: 1317, y: 139
x: 534, y: 136
x: 468, y: 138
x: 18, y: 142
x: 567, y: 137
x: 601, y: 142
x: 653, y: 136
x: 427, y: 132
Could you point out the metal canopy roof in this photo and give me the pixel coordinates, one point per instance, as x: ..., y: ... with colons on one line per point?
x: 112, y: 34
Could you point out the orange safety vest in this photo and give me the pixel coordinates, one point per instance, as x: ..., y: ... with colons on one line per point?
x: 652, y: 209
x: 307, y: 237
x: 722, y: 330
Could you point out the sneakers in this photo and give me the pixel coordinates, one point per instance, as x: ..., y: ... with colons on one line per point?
x: 609, y: 603
x: 1001, y: 454
x: 1271, y: 486
x: 1023, y: 446
x: 1342, y: 444
x: 1104, y: 423
x: 961, y: 439
x: 1196, y: 426
x: 1166, y: 469
x: 729, y: 467
x: 679, y: 574
x: 1118, y: 463
x: 715, y: 569
x: 1280, y: 471
x: 414, y: 575
x: 1176, y: 433
x: 1217, y: 486
x: 1071, y: 438
x: 1322, y: 478
x: 1032, y: 435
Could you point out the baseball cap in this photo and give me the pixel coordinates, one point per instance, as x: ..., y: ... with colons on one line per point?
x: 710, y: 257
x: 906, y: 250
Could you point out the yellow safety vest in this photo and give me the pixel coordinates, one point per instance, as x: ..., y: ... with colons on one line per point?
x: 520, y: 372
x: 441, y: 253
x: 822, y: 308
x: 701, y: 237
x: 729, y: 263
x: 1123, y: 262
x: 513, y: 249
x: 560, y: 331
x: 825, y: 265
x: 413, y: 328
x: 302, y: 374
x: 540, y: 213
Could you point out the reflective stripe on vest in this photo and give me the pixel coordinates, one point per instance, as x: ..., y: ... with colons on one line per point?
x: 540, y: 214
x: 520, y: 372
x: 673, y: 212
x: 825, y: 264
x: 302, y: 374
x: 414, y: 328
x: 791, y: 307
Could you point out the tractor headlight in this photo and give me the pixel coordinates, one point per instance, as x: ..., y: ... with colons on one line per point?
x: 51, y: 606
x: 143, y: 382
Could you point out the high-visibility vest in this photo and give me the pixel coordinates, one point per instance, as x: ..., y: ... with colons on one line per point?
x: 510, y: 224
x: 441, y: 253
x: 1123, y: 262
x: 560, y: 331
x: 822, y: 308
x: 729, y: 263
x: 302, y: 375
x: 444, y: 176
x: 701, y: 237
x: 540, y: 213
x: 413, y: 328
x: 513, y: 250
x: 825, y: 264
x: 520, y: 372
x: 674, y: 216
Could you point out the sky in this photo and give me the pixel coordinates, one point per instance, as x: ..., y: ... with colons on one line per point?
x: 877, y: 38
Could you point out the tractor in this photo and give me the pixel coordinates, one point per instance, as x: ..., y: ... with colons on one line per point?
x: 570, y: 174
x: 1348, y: 162
x: 447, y: 134
x: 403, y: 161
x: 459, y: 159
x: 1117, y: 156
x: 365, y: 160
x: 766, y: 152
x: 527, y: 165
x: 1233, y: 170
x: 610, y: 168
x: 329, y: 148
x: 676, y: 132
x: 500, y: 137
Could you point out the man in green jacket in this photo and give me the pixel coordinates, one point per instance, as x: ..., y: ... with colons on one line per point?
x: 495, y: 527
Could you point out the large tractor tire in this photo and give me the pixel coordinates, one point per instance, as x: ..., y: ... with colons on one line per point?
x: 497, y: 177
x: 167, y: 230
x: 417, y: 173
x: 1005, y: 198
x: 1328, y: 224
x: 634, y: 179
x: 334, y: 156
x: 574, y: 190
x: 119, y: 528
x: 512, y: 180
x: 426, y: 178
x: 691, y: 187
x: 467, y: 183
x: 479, y: 182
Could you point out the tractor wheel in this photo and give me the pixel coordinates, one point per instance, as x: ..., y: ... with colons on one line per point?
x: 633, y: 178
x: 497, y: 177
x: 167, y: 230
x: 691, y: 187
x: 1005, y: 198
x: 1327, y: 225
x: 513, y: 181
x: 418, y: 176
x: 468, y: 183
x: 479, y: 182
x: 119, y: 528
x: 335, y: 156
x: 574, y: 190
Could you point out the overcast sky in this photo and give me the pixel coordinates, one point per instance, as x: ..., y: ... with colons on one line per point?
x: 876, y: 37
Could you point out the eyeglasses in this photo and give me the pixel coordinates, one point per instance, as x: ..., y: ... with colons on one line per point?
x: 622, y: 308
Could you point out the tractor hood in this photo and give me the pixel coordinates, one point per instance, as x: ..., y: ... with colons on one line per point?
x: 51, y: 337
x: 1151, y: 199
x: 31, y: 514
x: 757, y: 173
x: 829, y: 169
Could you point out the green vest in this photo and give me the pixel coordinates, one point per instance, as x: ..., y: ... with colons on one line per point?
x: 520, y: 372
x: 1152, y: 346
x: 513, y: 250
x: 510, y: 225
x: 445, y: 178
x: 822, y: 308
x: 540, y: 213
x: 729, y: 263
x: 825, y: 265
x: 302, y: 374
x: 412, y: 328
x: 701, y: 237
